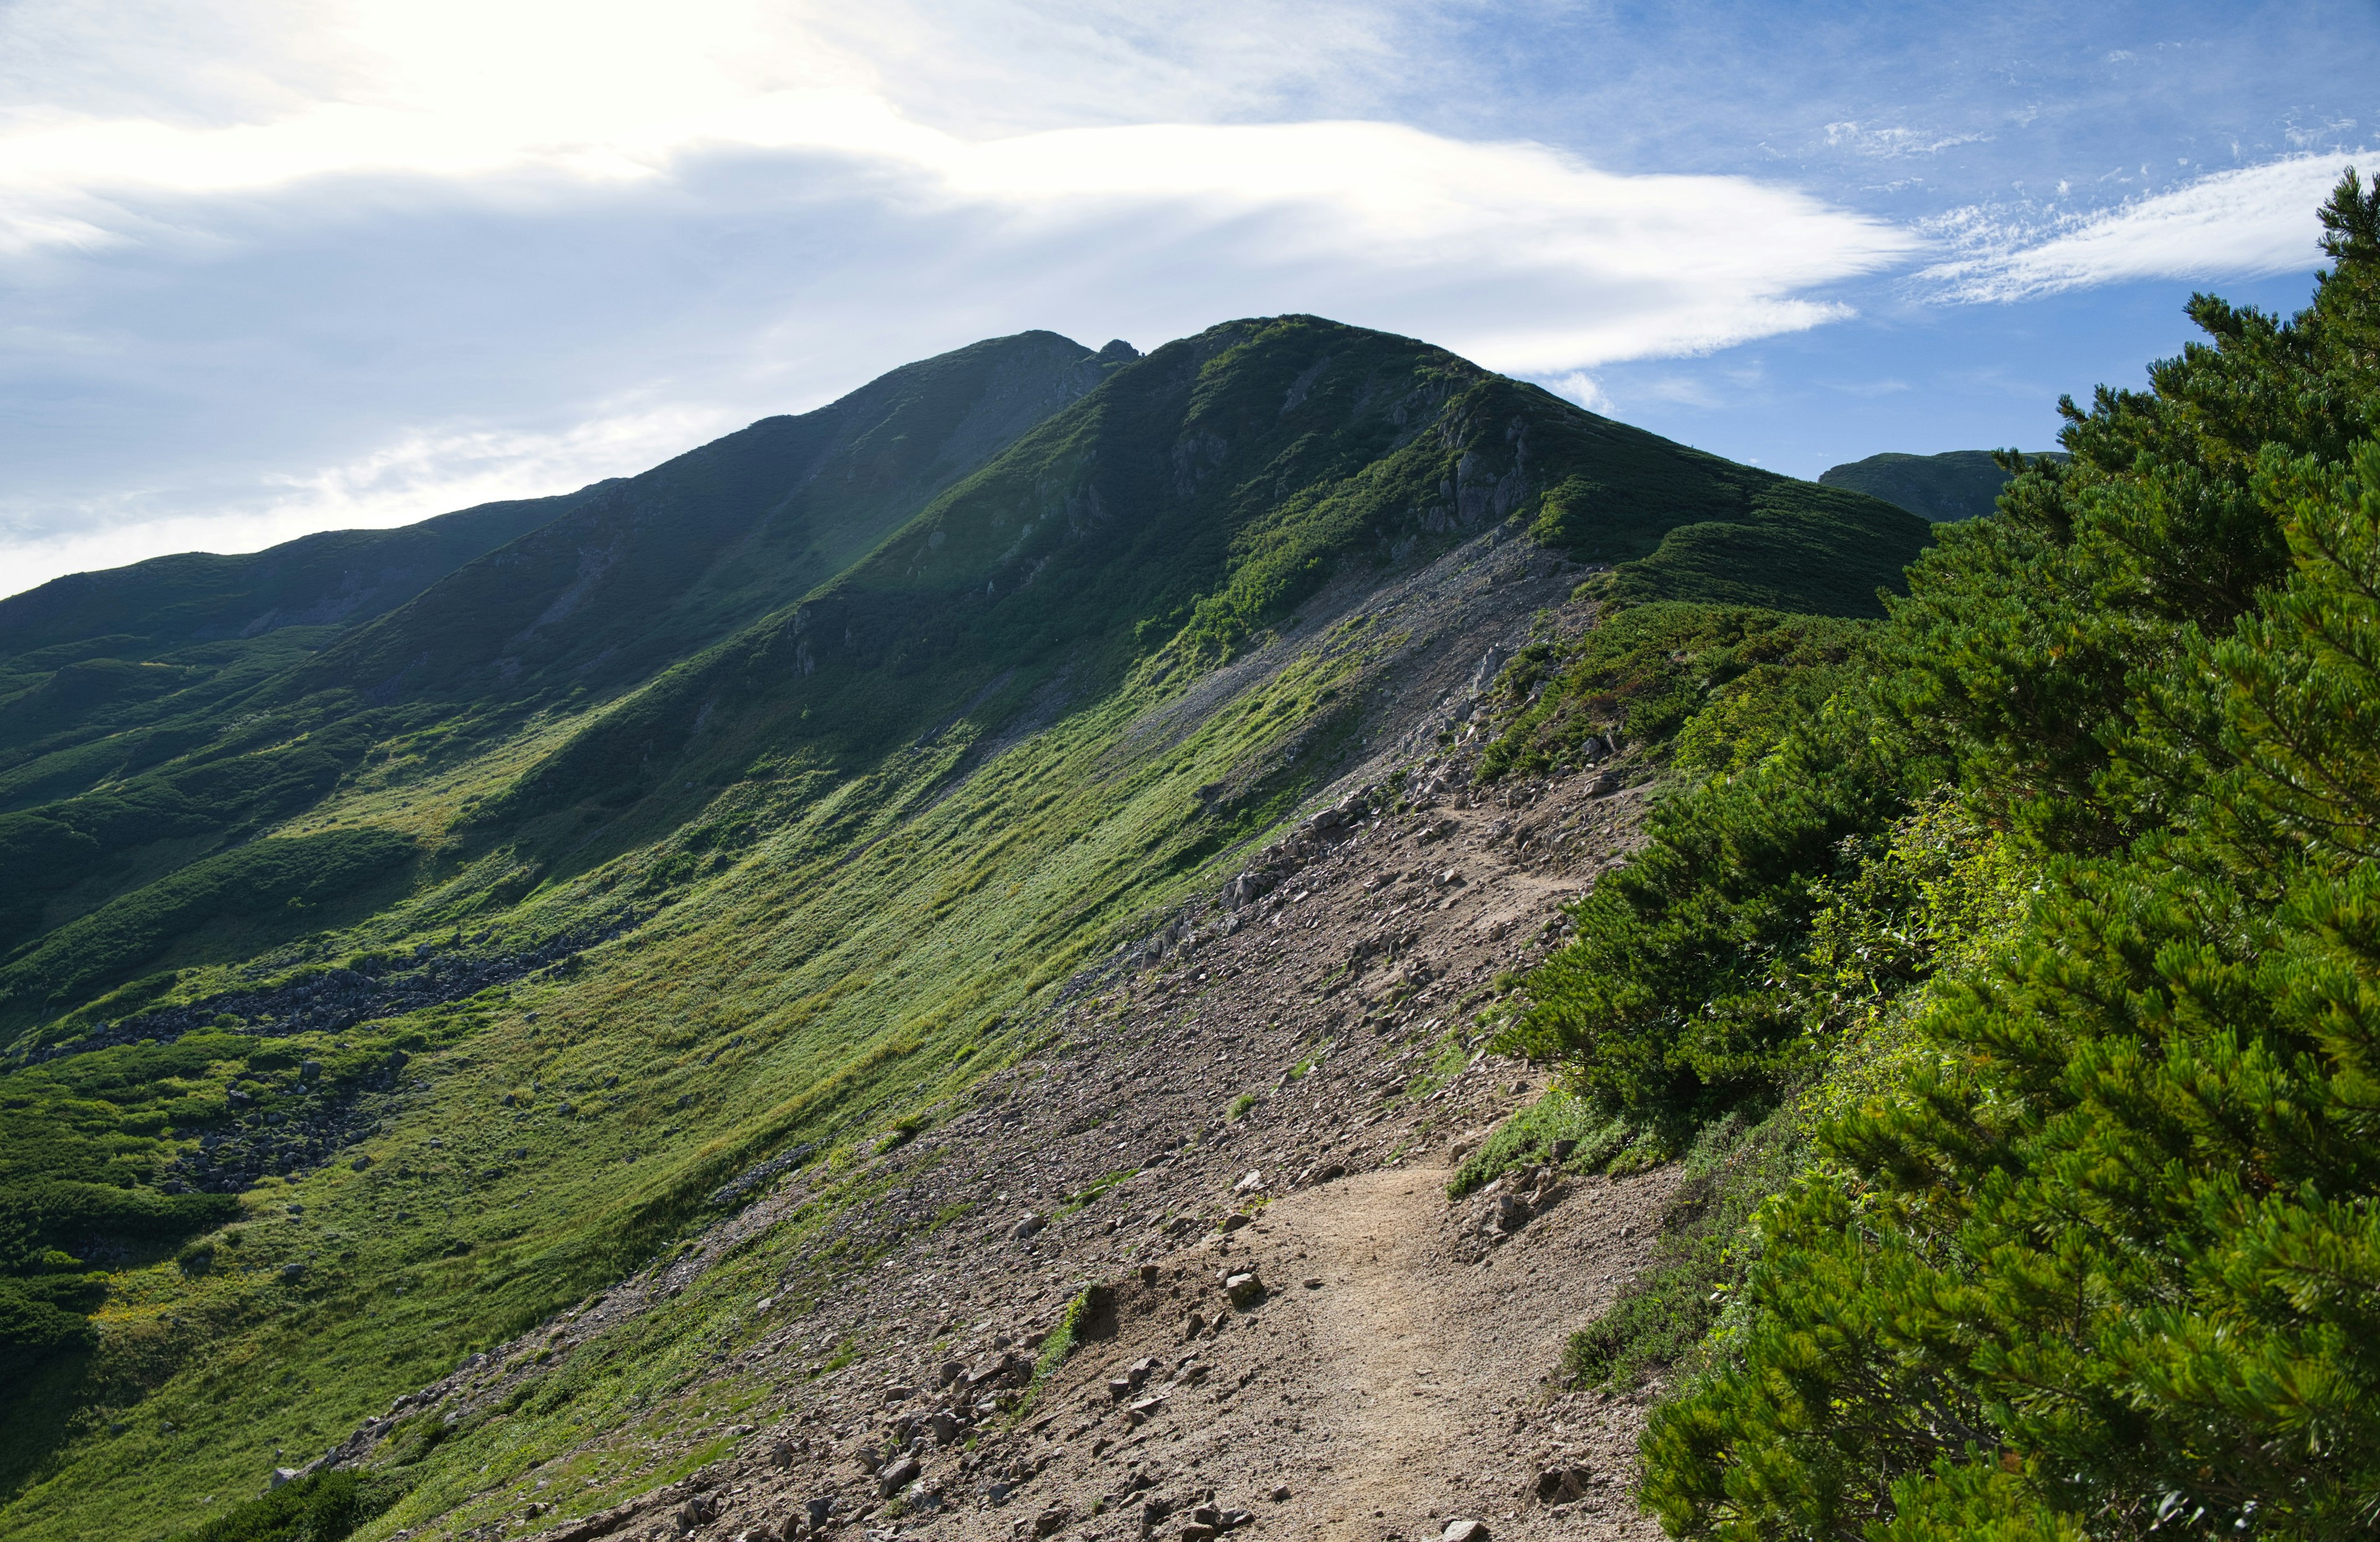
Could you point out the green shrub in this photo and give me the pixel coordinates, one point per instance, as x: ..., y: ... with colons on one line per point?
x: 1660, y: 1318
x: 2097, y: 1254
x: 115, y: 941
x: 1528, y: 1136
x: 325, y: 1507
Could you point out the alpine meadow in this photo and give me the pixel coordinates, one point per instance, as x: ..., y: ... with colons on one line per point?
x: 1286, y: 933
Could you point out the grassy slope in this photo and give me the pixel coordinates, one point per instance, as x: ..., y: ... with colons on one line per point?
x: 632, y: 574
x: 93, y: 655
x: 862, y: 898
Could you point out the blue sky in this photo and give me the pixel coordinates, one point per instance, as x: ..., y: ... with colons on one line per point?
x: 269, y: 266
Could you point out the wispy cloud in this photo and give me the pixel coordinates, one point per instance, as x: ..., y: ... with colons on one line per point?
x: 2257, y: 220
x: 1583, y: 388
x: 1893, y: 142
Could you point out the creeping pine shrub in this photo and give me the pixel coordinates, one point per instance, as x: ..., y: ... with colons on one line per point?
x: 325, y: 1507
x: 2098, y: 1256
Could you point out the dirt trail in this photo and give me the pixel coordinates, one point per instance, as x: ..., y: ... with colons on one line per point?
x: 1400, y: 1389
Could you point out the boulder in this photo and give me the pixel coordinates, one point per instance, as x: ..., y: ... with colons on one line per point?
x: 1244, y: 1289
x: 1464, y: 1530
x: 897, y: 1477
x: 1027, y: 1227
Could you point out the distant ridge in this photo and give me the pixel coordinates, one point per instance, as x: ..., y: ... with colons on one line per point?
x: 1956, y: 484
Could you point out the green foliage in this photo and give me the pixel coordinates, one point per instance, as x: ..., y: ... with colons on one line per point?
x: 2092, y: 1251
x: 114, y: 942
x: 1662, y: 1317
x: 1642, y: 673
x: 325, y: 1507
x: 1528, y: 1136
x: 1676, y: 998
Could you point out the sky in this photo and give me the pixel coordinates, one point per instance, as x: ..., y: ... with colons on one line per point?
x: 275, y: 266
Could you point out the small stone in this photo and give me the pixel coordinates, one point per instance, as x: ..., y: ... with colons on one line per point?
x: 1280, y: 1494
x: 1254, y: 1180
x: 1564, y: 1483
x: 1465, y: 1531
x: 1026, y: 1227
x: 950, y: 1371
x: 1315, y: 1283
x: 1246, y: 1289
x: 899, y: 1475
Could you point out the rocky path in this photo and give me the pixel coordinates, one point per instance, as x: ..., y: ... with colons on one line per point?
x: 1380, y: 1390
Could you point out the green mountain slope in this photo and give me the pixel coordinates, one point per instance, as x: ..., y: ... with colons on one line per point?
x: 608, y: 586
x: 657, y: 566
x: 93, y: 654
x: 1956, y: 484
x: 754, y: 806
x: 1200, y: 496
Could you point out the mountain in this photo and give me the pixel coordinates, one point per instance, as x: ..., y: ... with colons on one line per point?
x: 753, y: 818
x: 115, y: 759
x: 175, y: 634
x: 1956, y: 484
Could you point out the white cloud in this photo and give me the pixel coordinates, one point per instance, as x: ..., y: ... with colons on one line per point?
x: 1581, y: 387
x: 410, y: 479
x: 281, y: 266
x: 2258, y: 219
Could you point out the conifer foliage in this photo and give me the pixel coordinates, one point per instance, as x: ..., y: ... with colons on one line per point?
x: 2101, y: 1254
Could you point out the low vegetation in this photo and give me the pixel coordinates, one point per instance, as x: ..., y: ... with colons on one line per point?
x: 2011, y: 988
